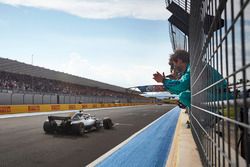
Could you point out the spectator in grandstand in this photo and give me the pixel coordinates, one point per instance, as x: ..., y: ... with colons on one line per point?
x: 181, y: 87
x: 22, y: 82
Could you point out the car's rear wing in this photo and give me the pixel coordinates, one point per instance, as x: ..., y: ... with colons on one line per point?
x: 51, y: 118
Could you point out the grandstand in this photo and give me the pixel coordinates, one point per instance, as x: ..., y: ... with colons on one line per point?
x: 22, y: 83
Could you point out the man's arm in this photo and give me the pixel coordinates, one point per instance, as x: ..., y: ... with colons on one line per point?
x: 178, y: 86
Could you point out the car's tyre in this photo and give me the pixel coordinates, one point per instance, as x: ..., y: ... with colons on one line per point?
x: 78, y: 129
x: 97, y: 124
x: 107, y: 123
x: 49, y: 127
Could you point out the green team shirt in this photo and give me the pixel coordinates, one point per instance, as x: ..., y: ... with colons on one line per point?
x: 183, y: 84
x: 178, y: 86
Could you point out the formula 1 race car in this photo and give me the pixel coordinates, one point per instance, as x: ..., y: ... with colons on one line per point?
x: 78, y: 123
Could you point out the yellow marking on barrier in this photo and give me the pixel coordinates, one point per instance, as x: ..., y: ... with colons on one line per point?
x: 84, y: 106
x: 98, y: 105
x: 19, y: 109
x: 103, y: 105
x: 55, y: 107
x: 33, y: 108
x: 78, y: 106
x: 64, y: 106
x: 14, y: 109
x: 5, y: 109
x: 45, y: 107
x: 72, y: 107
x: 90, y: 106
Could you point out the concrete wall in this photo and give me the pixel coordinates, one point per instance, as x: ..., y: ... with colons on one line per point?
x: 5, y: 98
x: 38, y: 99
x: 17, y: 98
x: 28, y: 98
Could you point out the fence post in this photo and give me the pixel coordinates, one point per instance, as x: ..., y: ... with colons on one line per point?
x: 11, y: 102
x: 33, y: 96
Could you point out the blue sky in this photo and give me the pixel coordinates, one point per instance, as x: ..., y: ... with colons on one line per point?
x: 113, y: 41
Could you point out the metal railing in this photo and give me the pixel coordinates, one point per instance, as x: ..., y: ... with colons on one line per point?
x: 184, y: 4
x: 219, y: 60
x: 178, y: 39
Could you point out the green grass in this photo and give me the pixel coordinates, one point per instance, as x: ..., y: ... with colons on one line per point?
x: 231, y: 110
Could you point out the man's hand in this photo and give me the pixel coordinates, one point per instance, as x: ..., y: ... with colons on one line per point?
x: 158, y: 77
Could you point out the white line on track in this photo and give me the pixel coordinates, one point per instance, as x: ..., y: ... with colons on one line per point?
x: 117, y: 124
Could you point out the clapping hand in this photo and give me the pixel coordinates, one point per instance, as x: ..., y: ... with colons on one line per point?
x: 158, y: 77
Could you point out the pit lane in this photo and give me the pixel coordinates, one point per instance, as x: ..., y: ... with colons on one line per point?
x: 23, y: 142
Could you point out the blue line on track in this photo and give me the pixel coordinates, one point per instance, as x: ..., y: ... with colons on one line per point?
x: 149, y: 148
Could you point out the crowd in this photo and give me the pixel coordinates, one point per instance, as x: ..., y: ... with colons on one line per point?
x: 20, y: 82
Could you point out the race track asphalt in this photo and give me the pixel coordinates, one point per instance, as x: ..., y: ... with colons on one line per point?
x: 23, y: 142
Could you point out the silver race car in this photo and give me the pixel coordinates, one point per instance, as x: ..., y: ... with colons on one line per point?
x: 78, y: 123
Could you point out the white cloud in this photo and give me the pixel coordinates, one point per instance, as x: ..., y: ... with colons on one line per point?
x: 133, y: 75
x: 101, y: 9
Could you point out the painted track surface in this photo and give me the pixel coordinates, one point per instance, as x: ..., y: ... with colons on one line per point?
x: 23, y: 142
x: 148, y: 148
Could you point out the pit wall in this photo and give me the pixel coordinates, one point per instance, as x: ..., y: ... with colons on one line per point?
x: 15, y: 109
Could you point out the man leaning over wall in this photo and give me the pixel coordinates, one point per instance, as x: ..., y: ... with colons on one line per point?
x: 181, y: 87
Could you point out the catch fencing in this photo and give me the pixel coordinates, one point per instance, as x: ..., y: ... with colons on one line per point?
x: 219, y: 46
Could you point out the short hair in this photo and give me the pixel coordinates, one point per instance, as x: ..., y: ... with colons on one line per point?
x: 180, y: 54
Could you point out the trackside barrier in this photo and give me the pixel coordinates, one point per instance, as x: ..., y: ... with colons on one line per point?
x: 148, y: 147
x: 15, y: 109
